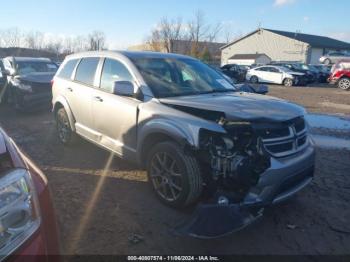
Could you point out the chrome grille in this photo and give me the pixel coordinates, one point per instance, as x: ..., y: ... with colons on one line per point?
x: 285, y: 139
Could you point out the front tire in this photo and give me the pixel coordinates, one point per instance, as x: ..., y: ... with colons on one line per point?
x: 254, y: 80
x: 174, y: 175
x: 288, y: 82
x: 344, y: 83
x: 65, y: 133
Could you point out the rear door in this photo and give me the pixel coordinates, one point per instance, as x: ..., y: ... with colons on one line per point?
x: 79, y: 93
x: 115, y: 117
x: 263, y: 74
x: 275, y: 75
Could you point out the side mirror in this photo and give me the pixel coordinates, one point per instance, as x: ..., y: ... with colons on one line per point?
x: 123, y: 88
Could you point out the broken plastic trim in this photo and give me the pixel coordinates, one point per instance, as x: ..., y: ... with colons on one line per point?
x: 218, y: 220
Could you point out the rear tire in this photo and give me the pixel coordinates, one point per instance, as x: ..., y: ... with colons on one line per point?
x: 173, y: 175
x: 65, y: 132
x: 288, y: 82
x: 344, y: 83
x: 254, y: 80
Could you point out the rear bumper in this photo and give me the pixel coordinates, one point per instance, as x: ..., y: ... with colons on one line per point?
x: 333, y: 80
x: 285, y: 178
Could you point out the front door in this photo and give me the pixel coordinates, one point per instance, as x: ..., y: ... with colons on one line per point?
x: 115, y: 117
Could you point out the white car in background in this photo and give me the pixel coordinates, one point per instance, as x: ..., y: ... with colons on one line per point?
x: 275, y: 75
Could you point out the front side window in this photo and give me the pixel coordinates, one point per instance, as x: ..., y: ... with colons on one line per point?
x: 180, y: 76
x: 86, y: 70
x: 113, y: 71
x: 67, y: 70
x: 274, y: 70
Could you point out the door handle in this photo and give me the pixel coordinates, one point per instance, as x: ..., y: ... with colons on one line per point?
x: 97, y: 98
x: 70, y: 89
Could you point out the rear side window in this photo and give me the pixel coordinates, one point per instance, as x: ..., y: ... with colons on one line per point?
x: 68, y: 68
x: 86, y: 70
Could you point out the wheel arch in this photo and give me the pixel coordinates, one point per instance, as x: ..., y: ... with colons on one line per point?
x: 158, y: 135
x: 61, y: 102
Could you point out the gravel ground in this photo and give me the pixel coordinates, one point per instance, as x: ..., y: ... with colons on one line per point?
x: 108, y: 208
x: 324, y: 99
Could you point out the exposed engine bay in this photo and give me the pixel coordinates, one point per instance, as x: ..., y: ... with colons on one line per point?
x: 232, y: 159
x: 236, y: 159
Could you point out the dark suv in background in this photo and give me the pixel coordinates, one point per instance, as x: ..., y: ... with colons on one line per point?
x: 234, y: 71
x: 297, y: 67
x: 28, y: 83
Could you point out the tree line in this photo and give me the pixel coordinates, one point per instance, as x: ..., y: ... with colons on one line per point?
x: 14, y: 37
x: 198, y: 33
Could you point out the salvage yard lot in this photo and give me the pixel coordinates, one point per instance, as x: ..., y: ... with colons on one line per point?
x: 108, y: 208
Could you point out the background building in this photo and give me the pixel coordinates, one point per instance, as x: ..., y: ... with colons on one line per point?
x: 283, y: 46
x: 249, y: 59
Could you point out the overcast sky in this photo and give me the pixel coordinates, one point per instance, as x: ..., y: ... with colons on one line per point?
x: 128, y: 22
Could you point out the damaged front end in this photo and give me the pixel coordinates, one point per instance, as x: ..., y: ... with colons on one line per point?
x: 232, y: 164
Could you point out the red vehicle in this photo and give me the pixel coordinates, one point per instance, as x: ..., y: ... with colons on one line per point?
x: 27, y: 221
x: 341, y: 75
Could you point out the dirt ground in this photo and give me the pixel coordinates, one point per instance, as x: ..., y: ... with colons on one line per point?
x: 325, y: 99
x: 107, y: 207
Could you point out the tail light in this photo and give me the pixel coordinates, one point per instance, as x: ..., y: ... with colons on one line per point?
x: 19, y: 207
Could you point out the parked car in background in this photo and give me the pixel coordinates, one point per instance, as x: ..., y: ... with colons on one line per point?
x: 2, y: 80
x: 276, y: 75
x: 341, y: 75
x: 28, y: 224
x: 234, y: 71
x: 333, y: 57
x: 243, y: 87
x: 323, y: 68
x: 297, y: 67
x: 29, y: 81
x: 321, y: 75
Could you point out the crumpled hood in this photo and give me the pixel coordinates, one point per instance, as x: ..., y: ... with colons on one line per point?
x: 37, y: 77
x: 241, y: 106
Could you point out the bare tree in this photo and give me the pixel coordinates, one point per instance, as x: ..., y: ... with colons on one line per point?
x: 35, y: 40
x: 11, y: 37
x: 97, y: 40
x: 165, y: 34
x: 200, y: 31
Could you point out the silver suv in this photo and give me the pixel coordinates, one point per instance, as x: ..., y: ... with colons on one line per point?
x: 196, y: 135
x: 333, y: 57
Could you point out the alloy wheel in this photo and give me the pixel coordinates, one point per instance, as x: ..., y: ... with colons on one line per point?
x: 63, y: 127
x: 344, y: 83
x: 166, y: 177
x: 288, y: 82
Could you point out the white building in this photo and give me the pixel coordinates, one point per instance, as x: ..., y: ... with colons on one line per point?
x: 283, y: 46
x: 249, y: 59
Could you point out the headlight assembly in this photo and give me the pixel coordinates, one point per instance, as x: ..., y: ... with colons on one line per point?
x: 19, y: 210
x: 23, y: 86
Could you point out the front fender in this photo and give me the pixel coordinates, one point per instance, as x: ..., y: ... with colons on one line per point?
x: 182, y: 132
x: 60, y: 100
x: 169, y: 128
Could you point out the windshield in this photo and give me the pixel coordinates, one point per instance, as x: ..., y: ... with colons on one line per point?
x: 179, y: 77
x: 27, y: 67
